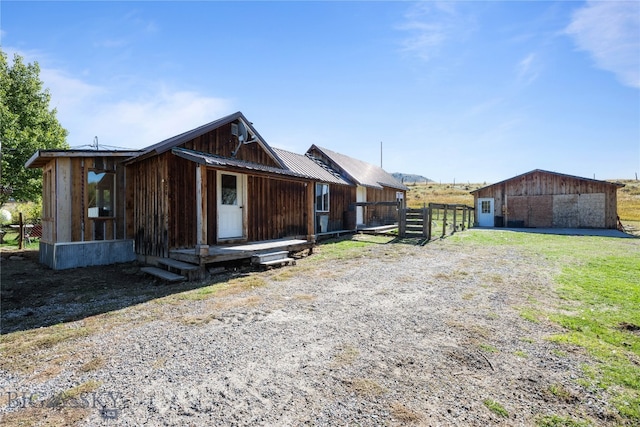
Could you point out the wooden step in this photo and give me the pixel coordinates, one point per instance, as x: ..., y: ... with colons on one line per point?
x: 178, y: 265
x: 163, y: 274
x: 281, y: 261
x: 270, y: 256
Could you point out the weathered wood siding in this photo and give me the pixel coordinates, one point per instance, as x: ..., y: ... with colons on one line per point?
x: 342, y: 214
x: 65, y: 216
x: 221, y: 143
x: 277, y: 208
x: 148, y: 181
x: 542, y: 199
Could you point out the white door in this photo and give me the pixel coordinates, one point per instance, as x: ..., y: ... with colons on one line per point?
x: 230, y: 205
x: 485, y: 212
x: 361, y: 196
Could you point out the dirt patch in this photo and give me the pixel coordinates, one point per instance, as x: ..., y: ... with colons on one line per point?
x: 403, y: 335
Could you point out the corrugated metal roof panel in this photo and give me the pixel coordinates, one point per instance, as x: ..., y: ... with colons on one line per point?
x: 363, y: 173
x: 212, y: 160
x: 304, y: 165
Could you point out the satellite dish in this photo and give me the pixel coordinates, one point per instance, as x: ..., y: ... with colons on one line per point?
x: 243, y: 135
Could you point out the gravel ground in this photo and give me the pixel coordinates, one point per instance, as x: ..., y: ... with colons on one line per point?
x: 397, y: 335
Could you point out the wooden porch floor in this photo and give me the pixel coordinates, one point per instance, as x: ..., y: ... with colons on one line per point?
x: 222, y: 253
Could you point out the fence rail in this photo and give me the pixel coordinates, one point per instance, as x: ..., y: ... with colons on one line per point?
x: 419, y: 222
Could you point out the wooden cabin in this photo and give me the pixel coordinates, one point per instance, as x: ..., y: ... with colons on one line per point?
x: 217, y: 184
x: 547, y: 199
x: 378, y: 193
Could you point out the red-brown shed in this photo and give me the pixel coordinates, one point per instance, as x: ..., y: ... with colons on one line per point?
x: 547, y: 199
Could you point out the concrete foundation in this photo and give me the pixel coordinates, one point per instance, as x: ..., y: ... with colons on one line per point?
x: 61, y: 256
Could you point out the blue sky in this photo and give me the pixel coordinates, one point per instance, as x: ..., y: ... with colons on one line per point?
x: 471, y: 91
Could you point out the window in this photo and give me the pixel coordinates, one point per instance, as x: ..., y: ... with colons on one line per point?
x: 101, y: 194
x: 47, y: 188
x: 229, y: 189
x: 322, y: 197
x: 485, y: 206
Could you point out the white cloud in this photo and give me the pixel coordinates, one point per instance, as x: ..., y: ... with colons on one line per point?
x: 430, y: 25
x: 150, y: 119
x: 134, y: 115
x: 528, y: 69
x: 610, y: 32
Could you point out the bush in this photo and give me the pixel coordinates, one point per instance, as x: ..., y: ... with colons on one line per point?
x: 31, y: 211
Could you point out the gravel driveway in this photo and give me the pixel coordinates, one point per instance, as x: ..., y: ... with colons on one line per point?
x: 396, y: 335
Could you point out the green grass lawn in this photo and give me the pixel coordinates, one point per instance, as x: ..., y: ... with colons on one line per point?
x: 598, y: 304
x: 11, y: 242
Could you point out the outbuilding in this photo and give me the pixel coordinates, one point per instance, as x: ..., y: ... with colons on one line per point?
x: 546, y: 199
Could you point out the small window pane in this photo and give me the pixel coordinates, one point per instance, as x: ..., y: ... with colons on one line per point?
x: 486, y: 206
x: 229, y: 190
x: 101, y: 195
x: 322, y: 197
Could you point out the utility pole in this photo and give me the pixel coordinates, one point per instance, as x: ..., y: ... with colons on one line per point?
x: 380, y: 154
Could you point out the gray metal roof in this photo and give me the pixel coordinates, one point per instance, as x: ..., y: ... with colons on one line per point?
x: 174, y: 141
x: 362, y: 173
x: 226, y: 162
x: 307, y: 166
x: 41, y: 157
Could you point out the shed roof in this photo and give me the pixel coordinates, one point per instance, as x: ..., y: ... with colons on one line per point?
x: 174, y: 141
x: 42, y: 157
x: 309, y: 167
x: 226, y: 162
x: 360, y: 172
x: 616, y: 184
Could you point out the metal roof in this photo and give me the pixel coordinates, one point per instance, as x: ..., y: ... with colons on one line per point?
x: 209, y: 159
x: 307, y: 166
x: 174, y: 141
x: 617, y: 184
x: 42, y: 157
x: 362, y: 173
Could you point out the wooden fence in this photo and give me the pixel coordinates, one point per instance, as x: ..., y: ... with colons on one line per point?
x: 419, y: 222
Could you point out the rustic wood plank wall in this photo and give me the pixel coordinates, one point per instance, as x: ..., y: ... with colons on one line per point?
x: 220, y: 142
x: 342, y: 216
x: 150, y: 219
x: 277, y: 208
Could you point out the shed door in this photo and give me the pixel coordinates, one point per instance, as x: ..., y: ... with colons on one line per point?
x: 230, y: 205
x: 485, y: 212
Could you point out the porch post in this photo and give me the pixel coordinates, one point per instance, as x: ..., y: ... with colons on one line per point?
x: 310, y: 187
x: 201, y: 209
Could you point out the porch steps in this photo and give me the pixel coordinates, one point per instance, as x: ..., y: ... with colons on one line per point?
x: 173, y: 270
x: 178, y: 265
x: 271, y: 259
x: 163, y: 274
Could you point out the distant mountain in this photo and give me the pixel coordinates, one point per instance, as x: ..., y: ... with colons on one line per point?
x: 408, y: 178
